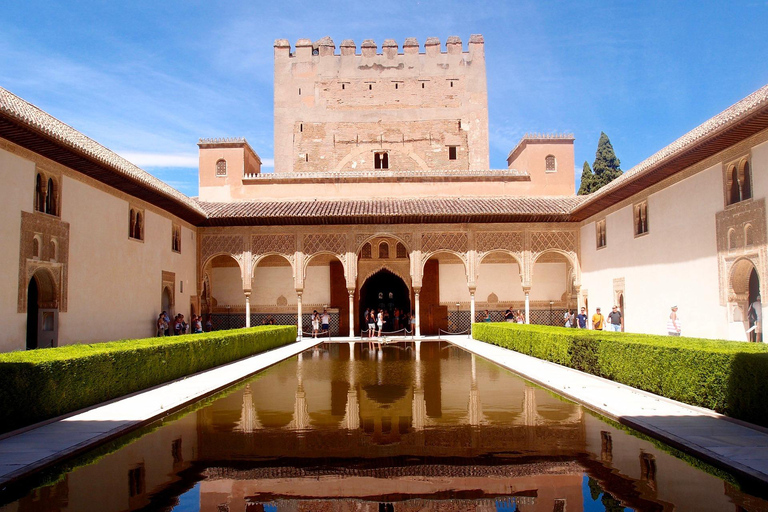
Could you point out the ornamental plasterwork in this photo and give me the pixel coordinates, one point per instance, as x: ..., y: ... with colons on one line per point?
x: 335, y: 243
x: 217, y: 244
x: 437, y: 241
x: 52, y: 235
x: 741, y: 236
x: 544, y: 240
x: 406, y: 238
x: 486, y: 241
x: 279, y: 244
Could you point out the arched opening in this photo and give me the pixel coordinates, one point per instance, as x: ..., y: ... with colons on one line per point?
x: 325, y: 289
x: 746, y: 181
x: 498, y: 278
x: 444, y: 302
x: 735, y: 194
x: 227, y: 300
x: 273, y: 294
x: 551, y: 289
x: 39, y: 194
x: 383, y: 250
x: 50, y: 198
x: 42, y: 311
x: 385, y: 290
x: 756, y: 314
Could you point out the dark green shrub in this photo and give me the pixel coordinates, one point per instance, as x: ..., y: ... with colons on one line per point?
x: 40, y: 384
x: 729, y: 377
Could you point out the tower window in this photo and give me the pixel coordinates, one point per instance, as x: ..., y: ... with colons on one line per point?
x: 422, y: 85
x: 641, y: 218
x: 550, y: 163
x: 176, y: 238
x: 370, y: 87
x: 451, y: 152
x: 221, y: 168
x: 738, y: 180
x: 365, y: 253
x: 383, y: 250
x: 299, y: 91
x: 601, y: 234
x: 381, y: 160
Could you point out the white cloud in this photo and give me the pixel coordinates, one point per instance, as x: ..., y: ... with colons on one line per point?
x: 160, y: 159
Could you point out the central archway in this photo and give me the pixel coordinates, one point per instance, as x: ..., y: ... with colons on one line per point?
x: 388, y: 291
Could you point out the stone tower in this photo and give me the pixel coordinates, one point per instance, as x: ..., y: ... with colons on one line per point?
x: 381, y: 108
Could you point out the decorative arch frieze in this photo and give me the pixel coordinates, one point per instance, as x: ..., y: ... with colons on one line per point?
x: 212, y: 245
x: 436, y: 241
x: 284, y: 245
x: 315, y: 243
x: 509, y: 241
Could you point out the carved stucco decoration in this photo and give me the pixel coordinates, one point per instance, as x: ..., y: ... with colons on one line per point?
x: 545, y: 240
x: 746, y: 224
x: 335, y: 243
x: 53, y: 254
x: 444, y: 241
x: 278, y: 244
x: 487, y: 241
x: 221, y: 244
x: 405, y: 238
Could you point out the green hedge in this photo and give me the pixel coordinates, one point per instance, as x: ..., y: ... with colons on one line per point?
x: 40, y: 384
x: 729, y: 377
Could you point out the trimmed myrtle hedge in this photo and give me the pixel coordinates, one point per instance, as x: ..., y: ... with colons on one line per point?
x: 729, y: 377
x: 39, y: 384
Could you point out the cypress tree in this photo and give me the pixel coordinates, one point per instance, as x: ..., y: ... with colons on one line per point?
x: 587, y: 180
x: 606, y: 165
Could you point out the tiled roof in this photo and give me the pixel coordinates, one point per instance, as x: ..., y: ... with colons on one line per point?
x: 392, y: 210
x: 33, y: 118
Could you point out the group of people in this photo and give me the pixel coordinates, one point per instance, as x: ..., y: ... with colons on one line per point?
x: 166, y: 327
x: 321, y: 320
x: 612, y: 322
x: 377, y: 319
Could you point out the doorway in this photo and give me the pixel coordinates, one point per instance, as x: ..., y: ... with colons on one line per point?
x: 755, y: 317
x: 42, y: 311
x: 387, y: 291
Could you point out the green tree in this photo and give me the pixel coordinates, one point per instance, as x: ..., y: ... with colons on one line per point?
x: 606, y: 165
x: 587, y: 180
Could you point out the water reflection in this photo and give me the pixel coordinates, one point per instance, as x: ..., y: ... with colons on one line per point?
x: 405, y: 427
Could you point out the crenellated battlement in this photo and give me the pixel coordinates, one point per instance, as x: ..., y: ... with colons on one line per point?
x: 325, y: 47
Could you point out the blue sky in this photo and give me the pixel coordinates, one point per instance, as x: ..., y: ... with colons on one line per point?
x: 147, y: 79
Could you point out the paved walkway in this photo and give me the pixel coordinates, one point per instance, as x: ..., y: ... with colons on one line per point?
x: 731, y: 444
x: 43, y: 446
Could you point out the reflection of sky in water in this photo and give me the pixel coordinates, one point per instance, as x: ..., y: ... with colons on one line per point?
x: 189, y: 501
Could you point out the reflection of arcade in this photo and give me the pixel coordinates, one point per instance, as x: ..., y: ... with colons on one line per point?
x: 387, y: 291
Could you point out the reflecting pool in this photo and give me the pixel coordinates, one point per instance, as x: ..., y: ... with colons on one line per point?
x: 400, y: 428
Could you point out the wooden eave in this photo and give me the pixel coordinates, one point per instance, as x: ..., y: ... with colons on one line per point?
x: 42, y: 144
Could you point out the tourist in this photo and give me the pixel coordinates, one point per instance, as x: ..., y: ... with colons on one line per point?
x: 520, y: 317
x: 161, y: 325
x: 209, y: 324
x: 167, y: 321
x: 755, y: 316
x: 487, y: 317
x: 597, y: 320
x: 614, y: 319
x: 197, y: 324
x: 380, y: 320
x: 371, y: 319
x: 396, y: 316
x: 673, y: 324
x: 509, y: 316
x: 177, y: 323
x: 315, y: 323
x: 325, y: 318
x: 581, y: 319
x: 569, y: 318
x: 271, y: 320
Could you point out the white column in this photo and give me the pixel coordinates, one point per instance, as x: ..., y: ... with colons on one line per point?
x: 247, y: 309
x: 418, y: 319
x: 298, y: 308
x: 351, y: 350
x: 471, y: 308
x: 527, y: 308
x: 351, y: 313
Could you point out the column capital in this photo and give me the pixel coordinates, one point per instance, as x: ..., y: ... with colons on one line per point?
x: 526, y: 289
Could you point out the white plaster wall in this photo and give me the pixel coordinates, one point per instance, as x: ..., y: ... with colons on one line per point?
x: 674, y: 264
x: 227, y: 286
x: 548, y: 281
x: 453, y: 283
x: 269, y: 283
x: 115, y: 283
x: 317, y: 285
x: 17, y: 194
x: 503, y: 279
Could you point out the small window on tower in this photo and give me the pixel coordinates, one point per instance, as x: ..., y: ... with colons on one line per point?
x: 451, y: 152
x: 221, y: 168
x: 551, y: 163
x: 381, y: 160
